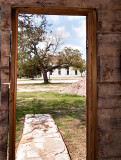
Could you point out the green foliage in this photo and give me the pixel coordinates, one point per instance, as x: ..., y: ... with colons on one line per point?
x: 31, y: 68
x: 81, y: 67
x: 70, y: 57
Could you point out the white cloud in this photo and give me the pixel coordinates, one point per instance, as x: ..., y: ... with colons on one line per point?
x: 72, y: 46
x: 53, y: 18
x: 81, y: 31
x: 61, y: 30
x: 71, y: 18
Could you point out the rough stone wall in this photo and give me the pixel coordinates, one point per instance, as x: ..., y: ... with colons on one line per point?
x: 5, y: 56
x: 4, y: 122
x: 108, y: 61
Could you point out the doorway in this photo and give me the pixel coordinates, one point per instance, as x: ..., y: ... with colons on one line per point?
x: 91, y: 93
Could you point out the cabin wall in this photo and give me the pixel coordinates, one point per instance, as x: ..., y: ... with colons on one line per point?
x: 5, y: 77
x: 63, y: 73
x: 108, y: 62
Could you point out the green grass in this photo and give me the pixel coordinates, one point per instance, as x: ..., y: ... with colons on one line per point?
x: 44, y: 84
x: 64, y: 105
x: 66, y: 109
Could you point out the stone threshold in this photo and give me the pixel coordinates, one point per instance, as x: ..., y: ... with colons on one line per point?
x: 41, y: 140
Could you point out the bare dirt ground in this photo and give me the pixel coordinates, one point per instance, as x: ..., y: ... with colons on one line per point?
x: 78, y: 88
x: 76, y: 145
x: 34, y: 88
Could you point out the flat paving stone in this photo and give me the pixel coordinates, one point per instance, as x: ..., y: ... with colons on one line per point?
x: 41, y: 140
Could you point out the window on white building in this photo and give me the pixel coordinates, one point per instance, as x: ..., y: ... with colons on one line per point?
x: 67, y: 71
x: 75, y: 72
x: 59, y: 71
x: 51, y: 72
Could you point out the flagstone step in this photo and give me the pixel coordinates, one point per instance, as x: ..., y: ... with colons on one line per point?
x: 41, y: 140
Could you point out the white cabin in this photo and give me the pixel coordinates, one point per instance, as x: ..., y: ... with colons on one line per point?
x: 65, y: 73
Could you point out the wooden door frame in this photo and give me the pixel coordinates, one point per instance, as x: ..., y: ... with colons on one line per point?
x: 91, y: 81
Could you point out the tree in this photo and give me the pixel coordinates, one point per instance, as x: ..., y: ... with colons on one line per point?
x: 69, y: 57
x: 72, y: 58
x: 31, y: 68
x: 31, y: 36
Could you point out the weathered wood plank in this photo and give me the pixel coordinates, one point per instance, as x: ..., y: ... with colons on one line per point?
x: 5, y: 69
x: 5, y: 62
x: 5, y: 43
x: 109, y: 133
x: 101, y: 4
x: 109, y: 96
x: 110, y: 150
x: 113, y: 101
x: 109, y: 69
x: 5, y: 53
x: 108, y: 4
x: 109, y: 15
x: 110, y: 137
x: 4, y: 121
x: 110, y: 158
x: 112, y: 4
x: 109, y: 120
x: 109, y: 27
x: 60, y: 3
x: 109, y: 44
x: 109, y: 90
x: 109, y: 20
x: 6, y: 2
x: 5, y: 76
x: 6, y: 17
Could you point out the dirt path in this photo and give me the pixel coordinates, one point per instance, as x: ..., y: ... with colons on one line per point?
x: 34, y: 88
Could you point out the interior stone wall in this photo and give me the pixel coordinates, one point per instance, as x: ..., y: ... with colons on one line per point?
x: 108, y: 62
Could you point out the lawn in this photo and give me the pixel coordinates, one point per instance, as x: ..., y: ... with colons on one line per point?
x: 68, y: 111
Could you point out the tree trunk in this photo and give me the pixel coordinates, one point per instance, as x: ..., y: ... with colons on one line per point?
x: 45, y: 76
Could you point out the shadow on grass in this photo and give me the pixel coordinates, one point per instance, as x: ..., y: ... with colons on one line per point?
x: 43, y: 84
x: 58, y: 105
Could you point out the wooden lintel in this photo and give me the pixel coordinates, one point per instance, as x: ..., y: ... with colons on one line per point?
x: 54, y: 11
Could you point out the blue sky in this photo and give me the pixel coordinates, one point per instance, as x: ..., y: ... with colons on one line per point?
x: 73, y: 29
